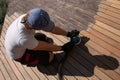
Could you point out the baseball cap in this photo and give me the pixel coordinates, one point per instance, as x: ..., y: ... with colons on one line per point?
x: 39, y: 19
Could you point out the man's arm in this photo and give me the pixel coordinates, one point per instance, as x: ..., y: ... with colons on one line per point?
x: 47, y: 47
x: 59, y: 31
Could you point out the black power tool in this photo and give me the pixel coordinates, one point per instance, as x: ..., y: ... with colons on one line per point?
x: 75, y: 41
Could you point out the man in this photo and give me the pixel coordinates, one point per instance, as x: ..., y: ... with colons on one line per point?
x: 27, y: 47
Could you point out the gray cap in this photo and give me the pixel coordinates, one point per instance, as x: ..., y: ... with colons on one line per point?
x: 39, y: 19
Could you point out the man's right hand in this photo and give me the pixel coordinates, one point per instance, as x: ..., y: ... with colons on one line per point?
x: 67, y: 47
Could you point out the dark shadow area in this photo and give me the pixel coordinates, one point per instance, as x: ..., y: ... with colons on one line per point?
x: 81, y: 63
x: 67, y: 14
x: 3, y: 9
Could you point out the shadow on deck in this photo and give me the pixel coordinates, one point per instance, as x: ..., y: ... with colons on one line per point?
x: 80, y: 58
x: 96, y: 57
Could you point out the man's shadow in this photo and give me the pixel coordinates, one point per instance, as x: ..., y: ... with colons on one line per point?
x: 81, y: 63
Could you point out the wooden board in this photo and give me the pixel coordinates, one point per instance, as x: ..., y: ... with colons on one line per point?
x: 97, y: 59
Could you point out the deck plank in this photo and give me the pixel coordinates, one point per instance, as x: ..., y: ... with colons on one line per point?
x: 4, y: 71
x: 107, y: 27
x: 1, y: 76
x: 105, y: 38
x: 115, y: 20
x: 107, y: 33
x: 115, y: 5
x: 108, y: 22
x: 98, y: 21
x: 110, y: 8
x: 13, y: 66
x: 108, y: 12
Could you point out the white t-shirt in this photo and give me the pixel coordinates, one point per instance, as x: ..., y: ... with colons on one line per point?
x: 18, y: 39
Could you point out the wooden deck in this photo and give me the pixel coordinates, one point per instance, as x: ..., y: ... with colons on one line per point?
x: 97, y: 58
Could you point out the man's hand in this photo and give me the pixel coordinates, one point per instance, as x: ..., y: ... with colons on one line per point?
x: 67, y: 47
x: 73, y: 33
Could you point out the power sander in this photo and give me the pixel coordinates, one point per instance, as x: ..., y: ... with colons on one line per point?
x: 75, y: 40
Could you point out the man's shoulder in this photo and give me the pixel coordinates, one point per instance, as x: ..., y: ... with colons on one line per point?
x: 17, y: 21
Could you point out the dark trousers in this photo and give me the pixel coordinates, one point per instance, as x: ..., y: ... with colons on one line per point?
x: 35, y: 57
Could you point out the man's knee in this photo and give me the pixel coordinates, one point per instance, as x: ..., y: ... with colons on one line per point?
x: 40, y: 36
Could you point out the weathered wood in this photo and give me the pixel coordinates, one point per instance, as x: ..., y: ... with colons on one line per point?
x: 86, y: 61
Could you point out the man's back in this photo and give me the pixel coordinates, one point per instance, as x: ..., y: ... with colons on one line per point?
x: 12, y: 39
